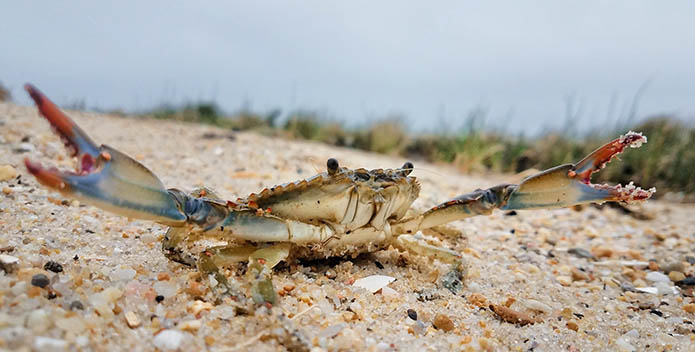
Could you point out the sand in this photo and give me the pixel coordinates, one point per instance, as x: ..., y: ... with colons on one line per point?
x: 78, y: 278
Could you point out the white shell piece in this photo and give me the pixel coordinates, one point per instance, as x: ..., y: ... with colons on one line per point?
x: 374, y: 283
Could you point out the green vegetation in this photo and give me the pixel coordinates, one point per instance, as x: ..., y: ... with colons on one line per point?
x: 4, y: 94
x: 667, y: 161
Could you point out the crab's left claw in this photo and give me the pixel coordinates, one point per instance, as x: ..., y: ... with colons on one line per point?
x: 105, y: 177
x: 570, y: 184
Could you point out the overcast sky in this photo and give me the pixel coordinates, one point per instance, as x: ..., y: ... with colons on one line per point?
x: 432, y: 62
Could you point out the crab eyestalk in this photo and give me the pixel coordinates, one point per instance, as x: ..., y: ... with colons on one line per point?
x: 104, y: 177
x: 570, y: 184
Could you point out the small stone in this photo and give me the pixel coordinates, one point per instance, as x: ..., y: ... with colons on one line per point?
x: 76, y: 305
x: 580, y: 252
x: 332, y: 330
x: 24, y: 147
x: 532, y: 304
x: 168, y: 340
x: 690, y: 259
x: 478, y: 300
x: 655, y: 276
x: 159, y: 298
x: 38, y: 321
x: 443, y: 322
x: 564, y: 280
x: 572, y: 325
x: 690, y: 307
x: 7, y: 172
x: 42, y: 343
x: 165, y: 288
x: 8, y: 263
x: 75, y: 325
x: 190, y: 325
x: 412, y: 314
x: 578, y: 275
x: 673, y: 266
x: 330, y: 274
x: 199, y: 306
x: 676, y: 276
x: 53, y: 266
x: 209, y: 340
x: 624, y: 345
x: 688, y: 281
x: 602, y: 252
x: 40, y: 280
x: 122, y: 274
x: 453, y: 280
x: 132, y: 320
x: 7, y: 190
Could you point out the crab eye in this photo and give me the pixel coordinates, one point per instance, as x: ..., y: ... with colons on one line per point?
x: 332, y: 165
x: 407, y: 168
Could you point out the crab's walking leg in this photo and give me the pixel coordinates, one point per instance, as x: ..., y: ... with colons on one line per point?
x: 561, y: 186
x: 417, y: 246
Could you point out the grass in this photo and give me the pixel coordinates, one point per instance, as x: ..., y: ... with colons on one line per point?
x: 666, y: 162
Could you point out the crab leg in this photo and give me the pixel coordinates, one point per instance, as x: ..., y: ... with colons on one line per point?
x: 105, y: 177
x: 561, y: 186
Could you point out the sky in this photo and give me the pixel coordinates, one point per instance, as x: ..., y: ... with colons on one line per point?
x: 528, y: 65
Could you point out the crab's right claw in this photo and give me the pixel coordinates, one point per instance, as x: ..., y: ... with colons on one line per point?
x: 105, y: 177
x: 570, y: 184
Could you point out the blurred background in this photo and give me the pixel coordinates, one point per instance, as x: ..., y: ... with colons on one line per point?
x: 497, y: 86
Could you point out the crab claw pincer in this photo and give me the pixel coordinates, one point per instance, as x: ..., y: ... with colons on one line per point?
x: 104, y: 177
x: 570, y: 184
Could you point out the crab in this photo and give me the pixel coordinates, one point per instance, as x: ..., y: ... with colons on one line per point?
x: 339, y: 212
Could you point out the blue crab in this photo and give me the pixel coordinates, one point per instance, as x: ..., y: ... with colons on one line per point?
x: 339, y: 212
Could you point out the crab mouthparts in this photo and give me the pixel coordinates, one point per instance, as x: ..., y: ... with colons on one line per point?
x: 601, y: 157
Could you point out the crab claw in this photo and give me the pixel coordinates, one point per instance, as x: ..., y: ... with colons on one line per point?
x: 104, y: 177
x: 570, y: 184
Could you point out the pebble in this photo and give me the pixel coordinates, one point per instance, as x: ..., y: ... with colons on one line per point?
x: 168, y: 340
x: 690, y: 259
x: 76, y: 305
x: 655, y: 276
x: 122, y: 274
x: 7, y: 172
x: 564, y: 280
x: 8, y: 263
x: 53, y: 266
x: 676, y: 276
x: 199, y: 306
x: 165, y: 288
x: 40, y: 280
x: 38, y: 321
x: 24, y: 147
x: 532, y: 304
x: 443, y: 322
x: 412, y: 314
x: 190, y: 325
x: 580, y: 252
x: 672, y: 266
x: 74, y: 325
x: 332, y: 330
x: 623, y: 342
x: 42, y: 343
x: 690, y: 307
x: 132, y: 320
